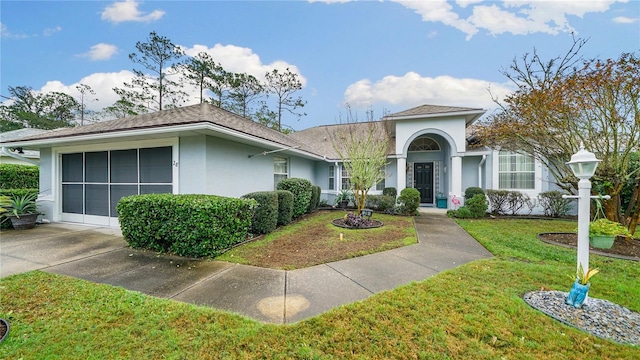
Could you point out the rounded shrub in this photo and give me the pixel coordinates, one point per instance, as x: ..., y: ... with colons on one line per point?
x: 285, y: 206
x: 265, y: 216
x: 477, y: 206
x: 390, y: 191
x: 409, y: 200
x: 301, y: 189
x: 464, y: 213
x: 471, y: 192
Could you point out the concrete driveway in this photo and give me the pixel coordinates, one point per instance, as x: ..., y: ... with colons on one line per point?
x: 53, y: 244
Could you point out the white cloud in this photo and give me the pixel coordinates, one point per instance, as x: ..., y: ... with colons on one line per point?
x: 5, y: 33
x: 624, y: 20
x: 516, y: 17
x: 51, y: 31
x: 100, y: 52
x: 412, y: 89
x: 439, y: 11
x: 242, y: 60
x: 101, y: 83
x: 128, y: 11
x: 465, y: 3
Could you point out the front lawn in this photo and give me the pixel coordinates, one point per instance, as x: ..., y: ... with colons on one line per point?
x: 474, y: 311
x: 314, y: 240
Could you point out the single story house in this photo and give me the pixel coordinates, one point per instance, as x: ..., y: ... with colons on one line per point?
x: 19, y: 155
x: 84, y: 171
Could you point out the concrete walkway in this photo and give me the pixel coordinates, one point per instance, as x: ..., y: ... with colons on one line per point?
x: 272, y: 296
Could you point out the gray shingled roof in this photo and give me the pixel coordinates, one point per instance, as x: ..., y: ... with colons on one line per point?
x: 431, y: 110
x: 20, y: 133
x: 319, y: 139
x: 316, y: 140
x: 193, y: 114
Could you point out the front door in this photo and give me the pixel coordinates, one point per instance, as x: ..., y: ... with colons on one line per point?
x: 423, y: 173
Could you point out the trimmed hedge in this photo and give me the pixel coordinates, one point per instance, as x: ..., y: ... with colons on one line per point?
x: 301, y: 189
x: 15, y: 176
x: 187, y: 225
x: 315, y: 198
x: 409, y: 201
x: 390, y: 191
x: 265, y: 216
x: 285, y: 206
x: 380, y: 202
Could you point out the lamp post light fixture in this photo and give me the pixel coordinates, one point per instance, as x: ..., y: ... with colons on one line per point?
x: 583, y: 164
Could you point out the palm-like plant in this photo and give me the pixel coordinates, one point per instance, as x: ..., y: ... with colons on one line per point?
x: 22, y: 205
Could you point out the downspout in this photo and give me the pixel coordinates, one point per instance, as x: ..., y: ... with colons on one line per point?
x: 5, y: 152
x: 484, y: 158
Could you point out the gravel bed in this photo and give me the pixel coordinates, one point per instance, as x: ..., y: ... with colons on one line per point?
x: 598, y: 317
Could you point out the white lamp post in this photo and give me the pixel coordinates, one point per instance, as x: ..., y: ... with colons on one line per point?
x: 583, y: 164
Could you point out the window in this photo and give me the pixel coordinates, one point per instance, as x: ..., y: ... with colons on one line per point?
x: 94, y: 182
x: 332, y: 177
x: 280, y: 170
x: 346, y: 177
x: 424, y: 143
x: 380, y: 186
x: 515, y: 171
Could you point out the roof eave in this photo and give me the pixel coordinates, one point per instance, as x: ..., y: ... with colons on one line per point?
x: 154, y: 131
x: 469, y: 115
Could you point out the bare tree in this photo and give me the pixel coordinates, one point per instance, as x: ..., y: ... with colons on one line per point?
x: 363, y: 148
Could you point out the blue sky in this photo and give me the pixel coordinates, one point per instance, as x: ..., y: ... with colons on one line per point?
x: 382, y: 55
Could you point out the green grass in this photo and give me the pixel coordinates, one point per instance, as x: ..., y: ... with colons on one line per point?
x: 474, y: 311
x: 315, y: 232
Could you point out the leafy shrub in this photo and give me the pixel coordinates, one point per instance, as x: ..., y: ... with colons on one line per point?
x: 390, y: 191
x: 285, y: 206
x: 471, y: 192
x: 409, y: 201
x: 265, y: 215
x: 553, y: 204
x: 356, y: 221
x: 516, y: 201
x: 14, y: 193
x: 464, y: 213
x: 301, y: 189
x: 187, y: 225
x: 15, y: 176
x: 498, y: 200
x: 477, y: 205
x: 474, y: 208
x: 381, y: 202
x: 315, y: 198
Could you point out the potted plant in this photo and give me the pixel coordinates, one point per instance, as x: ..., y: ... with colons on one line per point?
x: 603, y: 232
x: 343, y: 199
x: 578, y: 293
x: 22, y: 211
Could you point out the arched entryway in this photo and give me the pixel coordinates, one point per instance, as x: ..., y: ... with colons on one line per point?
x: 428, y: 155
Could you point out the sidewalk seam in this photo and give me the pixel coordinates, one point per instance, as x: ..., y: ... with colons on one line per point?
x: 352, y: 280
x: 202, y: 280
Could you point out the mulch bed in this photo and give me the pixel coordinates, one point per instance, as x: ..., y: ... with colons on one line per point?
x: 623, y: 248
x: 3, y: 330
